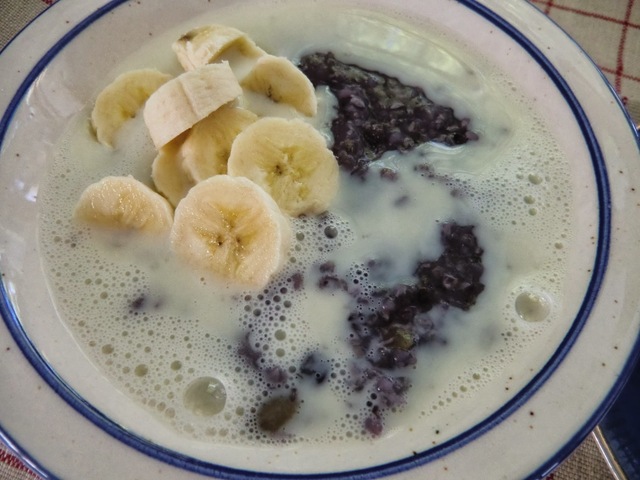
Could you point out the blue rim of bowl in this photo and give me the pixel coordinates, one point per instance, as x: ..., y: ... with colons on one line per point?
x: 178, y: 460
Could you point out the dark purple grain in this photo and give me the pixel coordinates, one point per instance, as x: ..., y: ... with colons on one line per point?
x: 377, y: 113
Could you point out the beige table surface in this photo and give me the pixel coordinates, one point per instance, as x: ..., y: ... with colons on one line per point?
x: 609, y: 30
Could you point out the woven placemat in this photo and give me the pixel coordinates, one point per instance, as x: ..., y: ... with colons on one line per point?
x: 586, y: 463
x: 16, y: 14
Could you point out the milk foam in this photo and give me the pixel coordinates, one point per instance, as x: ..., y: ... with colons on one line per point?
x: 156, y: 328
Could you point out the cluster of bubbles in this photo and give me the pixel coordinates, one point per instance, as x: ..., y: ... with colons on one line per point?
x: 200, y: 383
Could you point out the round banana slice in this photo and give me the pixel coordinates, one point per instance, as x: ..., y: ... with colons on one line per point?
x: 121, y: 99
x: 168, y: 173
x: 185, y: 100
x: 282, y: 82
x: 207, y: 44
x: 124, y: 203
x: 290, y: 160
x: 232, y: 228
x: 206, y: 149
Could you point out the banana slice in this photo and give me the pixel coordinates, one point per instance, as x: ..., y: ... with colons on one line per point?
x: 206, y: 150
x: 282, y: 82
x: 207, y: 44
x: 290, y: 160
x: 185, y: 100
x: 168, y: 173
x: 124, y: 203
x: 232, y: 228
x: 121, y: 100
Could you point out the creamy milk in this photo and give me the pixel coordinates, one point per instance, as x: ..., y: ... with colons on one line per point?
x: 169, y: 338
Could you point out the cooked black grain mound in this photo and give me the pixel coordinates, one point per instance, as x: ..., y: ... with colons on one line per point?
x: 378, y: 113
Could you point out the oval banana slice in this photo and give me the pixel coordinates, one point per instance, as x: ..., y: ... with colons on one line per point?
x: 124, y: 203
x: 290, y: 160
x: 121, y: 99
x: 282, y: 82
x: 232, y: 228
x: 168, y: 173
x: 207, y: 147
x: 185, y: 100
x: 207, y: 44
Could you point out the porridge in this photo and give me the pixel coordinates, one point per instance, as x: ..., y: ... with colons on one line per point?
x: 440, y: 257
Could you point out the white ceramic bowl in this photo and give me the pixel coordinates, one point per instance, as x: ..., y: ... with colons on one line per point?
x: 66, y: 420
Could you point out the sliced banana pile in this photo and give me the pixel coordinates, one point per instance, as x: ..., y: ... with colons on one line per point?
x: 233, y: 177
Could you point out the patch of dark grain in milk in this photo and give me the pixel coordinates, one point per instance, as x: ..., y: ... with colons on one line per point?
x: 377, y: 113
